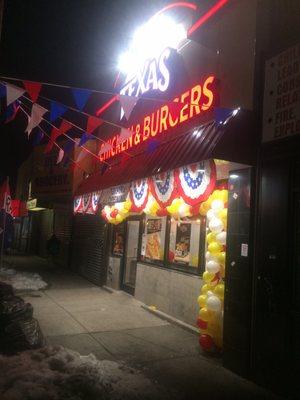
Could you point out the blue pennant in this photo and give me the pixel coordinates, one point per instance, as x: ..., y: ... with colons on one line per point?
x: 222, y: 114
x: 84, y: 138
x: 57, y: 110
x: 37, y: 138
x: 2, y: 90
x: 81, y: 96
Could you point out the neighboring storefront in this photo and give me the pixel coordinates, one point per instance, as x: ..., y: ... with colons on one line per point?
x: 176, y: 193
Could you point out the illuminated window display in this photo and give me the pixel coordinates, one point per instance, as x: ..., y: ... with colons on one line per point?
x: 118, y: 238
x: 153, y: 241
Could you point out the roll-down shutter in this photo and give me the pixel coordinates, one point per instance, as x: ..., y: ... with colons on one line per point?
x: 88, y: 248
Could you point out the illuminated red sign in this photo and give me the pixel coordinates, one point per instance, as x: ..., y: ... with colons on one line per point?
x: 199, y: 99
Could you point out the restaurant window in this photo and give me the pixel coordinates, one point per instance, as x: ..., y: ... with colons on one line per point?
x: 154, y: 237
x: 186, y: 244
x: 118, y: 240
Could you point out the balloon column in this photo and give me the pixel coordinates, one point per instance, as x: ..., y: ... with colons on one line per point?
x: 116, y: 213
x: 211, y: 299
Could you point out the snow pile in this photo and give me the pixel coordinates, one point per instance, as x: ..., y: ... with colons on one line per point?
x: 56, y: 373
x: 22, y: 280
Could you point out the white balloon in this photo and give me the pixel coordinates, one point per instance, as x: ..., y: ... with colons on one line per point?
x: 209, y: 257
x: 212, y: 266
x: 211, y: 214
x: 221, y: 237
x: 210, y: 293
x: 214, y: 303
x: 216, y: 225
x: 217, y: 205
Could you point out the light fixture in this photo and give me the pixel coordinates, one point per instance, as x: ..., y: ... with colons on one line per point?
x: 148, y: 42
x: 233, y: 176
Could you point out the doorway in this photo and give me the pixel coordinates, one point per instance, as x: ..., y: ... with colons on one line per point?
x: 130, y: 259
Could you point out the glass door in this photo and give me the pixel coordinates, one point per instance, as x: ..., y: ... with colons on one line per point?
x: 131, y: 255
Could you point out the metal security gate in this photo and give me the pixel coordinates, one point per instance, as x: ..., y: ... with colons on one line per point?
x: 88, y: 255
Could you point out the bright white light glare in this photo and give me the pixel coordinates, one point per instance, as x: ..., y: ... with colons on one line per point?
x: 148, y: 42
x: 201, y: 170
x: 233, y: 176
x: 235, y: 111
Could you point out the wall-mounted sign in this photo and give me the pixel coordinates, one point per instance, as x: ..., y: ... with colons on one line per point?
x: 199, y: 99
x: 281, y: 116
x: 31, y: 204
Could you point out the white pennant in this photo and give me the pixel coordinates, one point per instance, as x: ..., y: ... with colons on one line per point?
x: 125, y: 134
x: 105, y: 148
x: 127, y: 103
x: 13, y: 93
x: 81, y: 156
x: 37, y: 113
x: 60, y: 156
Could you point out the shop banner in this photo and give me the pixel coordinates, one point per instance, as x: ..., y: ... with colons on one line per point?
x: 116, y: 194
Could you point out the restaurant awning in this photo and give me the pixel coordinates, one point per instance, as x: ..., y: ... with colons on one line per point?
x: 236, y: 141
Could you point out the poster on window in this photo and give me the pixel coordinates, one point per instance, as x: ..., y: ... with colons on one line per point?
x: 182, y: 244
x: 118, y: 243
x: 153, y: 245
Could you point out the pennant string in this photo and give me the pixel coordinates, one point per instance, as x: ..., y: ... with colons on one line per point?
x: 55, y: 144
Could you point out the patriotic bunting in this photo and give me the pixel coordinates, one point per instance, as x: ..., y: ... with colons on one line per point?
x: 61, y: 154
x: 92, y: 124
x: 163, y: 188
x: 139, y: 191
x: 33, y: 89
x: 53, y: 136
x: 13, y: 93
x: 56, y: 110
x: 104, y: 148
x: 127, y: 103
x: 64, y: 127
x: 81, y: 156
x: 5, y: 198
x: 195, y: 182
x: 11, y: 111
x: 81, y: 97
x: 37, y: 138
x: 124, y: 135
x: 36, y: 117
x: 2, y: 90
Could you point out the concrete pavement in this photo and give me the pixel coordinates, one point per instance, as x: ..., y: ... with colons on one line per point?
x: 78, y: 315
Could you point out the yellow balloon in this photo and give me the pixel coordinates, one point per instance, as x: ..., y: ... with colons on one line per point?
x: 221, y: 257
x: 204, y: 207
x: 214, y: 247
x: 216, y: 195
x: 210, y: 237
x: 208, y: 276
x: 219, y: 290
x: 206, y: 287
x: 222, y: 214
x: 119, y: 218
x: 127, y: 205
x: 205, y: 314
x: 224, y: 195
x: 202, y: 300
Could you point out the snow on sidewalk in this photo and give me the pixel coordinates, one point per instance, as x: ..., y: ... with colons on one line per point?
x: 22, y: 280
x: 56, y: 373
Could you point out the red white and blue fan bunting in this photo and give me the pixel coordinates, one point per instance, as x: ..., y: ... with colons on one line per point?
x: 86, y: 198
x: 163, y: 188
x: 139, y: 191
x: 95, y: 202
x: 195, y: 182
x: 78, y: 205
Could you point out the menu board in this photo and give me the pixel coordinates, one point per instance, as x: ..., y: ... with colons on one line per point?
x: 281, y: 116
x: 183, y: 242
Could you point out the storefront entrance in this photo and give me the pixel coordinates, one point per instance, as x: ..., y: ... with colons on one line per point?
x: 132, y: 245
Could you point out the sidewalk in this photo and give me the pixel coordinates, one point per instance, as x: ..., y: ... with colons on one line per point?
x: 113, y: 326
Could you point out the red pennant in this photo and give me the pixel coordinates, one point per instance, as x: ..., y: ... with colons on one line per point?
x: 33, y: 89
x: 92, y: 124
x: 54, y: 135
x: 64, y: 127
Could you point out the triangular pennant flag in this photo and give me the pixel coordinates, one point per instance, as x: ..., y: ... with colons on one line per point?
x: 57, y: 110
x: 53, y: 136
x: 81, y: 97
x: 37, y: 138
x: 11, y: 111
x: 60, y: 156
x: 64, y: 127
x: 85, y: 137
x: 2, y: 90
x: 124, y: 134
x: 222, y: 114
x: 127, y: 103
x: 92, y: 124
x: 33, y: 89
x: 36, y: 117
x: 13, y: 93
x: 81, y: 156
x: 106, y: 147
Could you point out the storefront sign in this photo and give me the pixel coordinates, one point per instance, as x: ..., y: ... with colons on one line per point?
x: 116, y: 194
x: 199, y: 99
x: 31, y: 204
x: 282, y: 95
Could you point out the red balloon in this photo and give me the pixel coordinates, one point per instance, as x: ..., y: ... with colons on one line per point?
x: 161, y: 212
x: 206, y: 342
x: 114, y: 213
x: 201, y: 324
x: 171, y: 255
